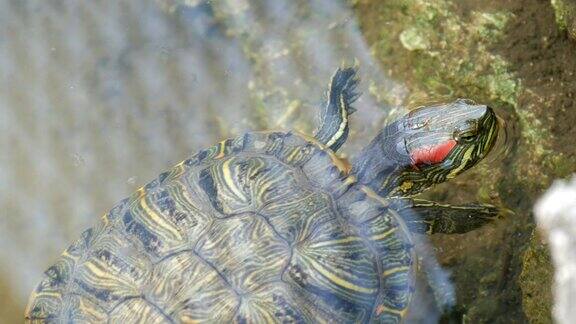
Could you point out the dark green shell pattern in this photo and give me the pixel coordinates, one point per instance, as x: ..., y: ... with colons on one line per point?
x: 263, y: 228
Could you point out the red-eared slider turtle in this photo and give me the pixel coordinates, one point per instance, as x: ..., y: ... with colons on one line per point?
x: 274, y: 227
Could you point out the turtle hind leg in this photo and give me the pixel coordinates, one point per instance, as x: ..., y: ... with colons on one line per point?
x: 333, y: 129
x: 422, y: 216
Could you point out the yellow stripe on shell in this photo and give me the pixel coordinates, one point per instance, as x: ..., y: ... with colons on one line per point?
x: 382, y: 308
x: 383, y: 235
x: 162, y: 223
x: 293, y: 154
x: 90, y: 310
x: 336, y: 242
x: 47, y: 293
x: 140, y: 192
x: 395, y: 270
x: 230, y: 183
x: 339, y: 281
x: 96, y: 274
x: 221, y: 149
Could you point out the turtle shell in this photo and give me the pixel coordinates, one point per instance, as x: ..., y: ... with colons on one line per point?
x: 267, y: 227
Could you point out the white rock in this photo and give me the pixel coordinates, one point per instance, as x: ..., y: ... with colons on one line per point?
x: 556, y: 217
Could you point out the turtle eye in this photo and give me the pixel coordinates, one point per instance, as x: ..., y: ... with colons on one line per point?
x: 468, y: 134
x: 465, y: 137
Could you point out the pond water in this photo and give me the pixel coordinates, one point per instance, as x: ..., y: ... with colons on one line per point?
x: 97, y: 98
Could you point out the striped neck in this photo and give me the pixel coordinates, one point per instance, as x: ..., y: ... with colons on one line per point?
x: 427, y: 146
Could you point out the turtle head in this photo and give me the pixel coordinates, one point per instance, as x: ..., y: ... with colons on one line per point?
x: 448, y: 139
x: 428, y: 146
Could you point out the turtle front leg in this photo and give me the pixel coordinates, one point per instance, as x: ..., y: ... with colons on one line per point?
x: 423, y: 216
x: 333, y: 129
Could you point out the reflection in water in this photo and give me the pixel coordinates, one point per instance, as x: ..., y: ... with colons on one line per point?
x: 97, y: 97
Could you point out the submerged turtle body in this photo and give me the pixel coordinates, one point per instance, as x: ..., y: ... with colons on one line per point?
x: 273, y: 227
x: 257, y: 228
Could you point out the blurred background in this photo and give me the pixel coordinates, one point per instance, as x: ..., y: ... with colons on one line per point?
x: 98, y: 97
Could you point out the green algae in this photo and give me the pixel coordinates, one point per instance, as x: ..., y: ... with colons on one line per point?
x: 443, y: 51
x: 536, y: 281
x: 565, y: 11
x: 449, y: 55
x: 413, y: 39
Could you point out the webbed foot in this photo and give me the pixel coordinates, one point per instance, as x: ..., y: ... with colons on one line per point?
x: 422, y: 216
x: 333, y: 129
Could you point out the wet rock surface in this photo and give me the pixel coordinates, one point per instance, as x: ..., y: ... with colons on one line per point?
x: 513, y: 56
x: 556, y: 218
x: 565, y: 11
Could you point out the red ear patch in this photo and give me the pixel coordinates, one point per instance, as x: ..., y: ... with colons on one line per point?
x: 432, y: 154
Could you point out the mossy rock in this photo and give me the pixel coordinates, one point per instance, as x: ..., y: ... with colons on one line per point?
x: 536, y: 281
x: 565, y: 11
